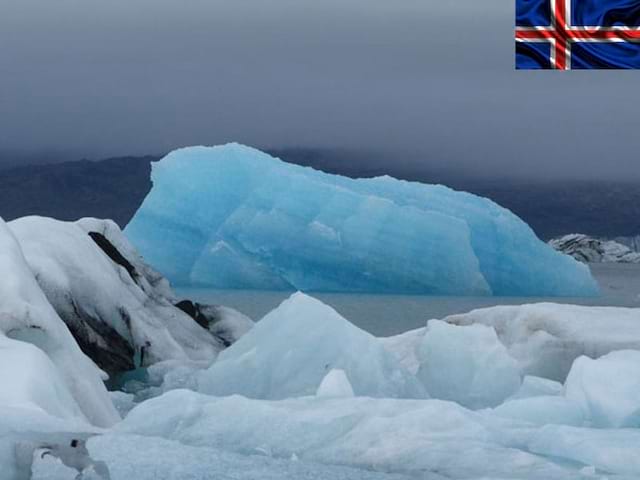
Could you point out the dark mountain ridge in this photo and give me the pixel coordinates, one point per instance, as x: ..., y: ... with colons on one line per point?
x: 115, y: 187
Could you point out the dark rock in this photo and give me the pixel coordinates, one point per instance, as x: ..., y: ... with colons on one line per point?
x: 113, y: 253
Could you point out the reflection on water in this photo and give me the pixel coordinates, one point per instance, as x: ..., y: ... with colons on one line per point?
x: 384, y: 315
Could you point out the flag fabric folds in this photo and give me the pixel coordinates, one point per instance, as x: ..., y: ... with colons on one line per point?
x: 577, y: 34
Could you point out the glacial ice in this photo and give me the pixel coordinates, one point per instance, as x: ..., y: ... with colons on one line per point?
x: 27, y: 317
x: 234, y: 217
x: 29, y: 379
x: 430, y: 439
x: 46, y: 383
x: 467, y: 364
x: 546, y: 338
x: 289, y: 352
x: 164, y: 459
x: 119, y: 316
x: 607, y: 389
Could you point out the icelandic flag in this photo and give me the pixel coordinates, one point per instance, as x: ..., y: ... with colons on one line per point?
x: 577, y: 34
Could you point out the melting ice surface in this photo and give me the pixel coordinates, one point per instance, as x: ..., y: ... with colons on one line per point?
x: 234, y: 217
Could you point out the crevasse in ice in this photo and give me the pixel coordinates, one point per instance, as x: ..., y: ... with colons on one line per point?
x: 234, y: 217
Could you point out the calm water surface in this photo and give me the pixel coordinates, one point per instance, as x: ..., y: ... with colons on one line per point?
x: 384, y: 315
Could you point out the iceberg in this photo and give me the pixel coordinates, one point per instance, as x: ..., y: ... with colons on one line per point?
x: 234, y: 217
x: 119, y: 310
x: 47, y: 384
x: 42, y: 363
x: 292, y: 349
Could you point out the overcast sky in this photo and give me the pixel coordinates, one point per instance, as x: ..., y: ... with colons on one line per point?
x: 431, y: 80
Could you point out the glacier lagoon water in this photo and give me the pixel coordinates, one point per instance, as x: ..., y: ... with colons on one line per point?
x: 385, y: 315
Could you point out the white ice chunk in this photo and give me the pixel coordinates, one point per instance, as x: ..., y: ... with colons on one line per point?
x: 335, y: 384
x: 290, y: 351
x: 468, y: 365
x: 607, y: 389
x: 27, y: 316
x: 29, y: 379
x: 546, y: 338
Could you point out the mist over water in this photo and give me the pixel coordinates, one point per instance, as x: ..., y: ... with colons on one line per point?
x: 423, y: 84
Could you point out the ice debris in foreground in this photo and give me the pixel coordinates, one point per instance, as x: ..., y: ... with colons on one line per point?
x: 548, y: 435
x: 291, y: 350
x: 607, y: 389
x: 432, y: 439
x: 543, y: 431
x: 234, y: 217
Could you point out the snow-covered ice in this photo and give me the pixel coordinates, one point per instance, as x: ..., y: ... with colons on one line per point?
x: 26, y: 317
x: 111, y: 314
x: 289, y: 352
x: 234, y: 217
x: 467, y: 364
x: 546, y: 338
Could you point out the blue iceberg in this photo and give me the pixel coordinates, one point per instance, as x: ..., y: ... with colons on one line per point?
x: 234, y: 217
